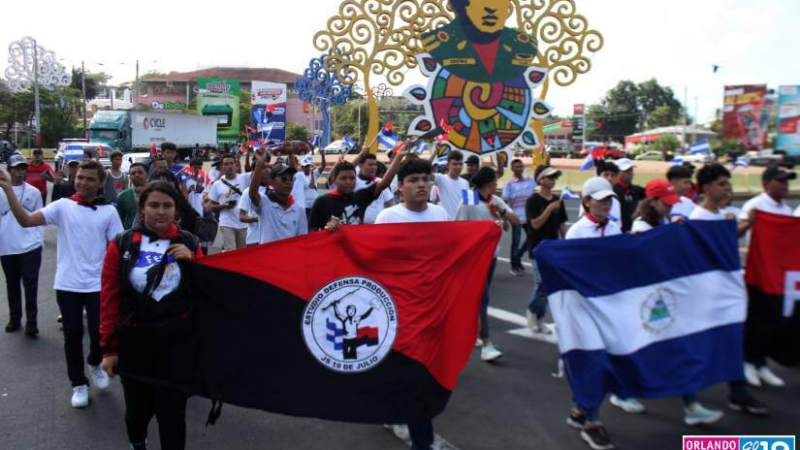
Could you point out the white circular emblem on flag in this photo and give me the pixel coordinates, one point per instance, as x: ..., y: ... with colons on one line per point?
x: 350, y: 324
x: 658, y: 311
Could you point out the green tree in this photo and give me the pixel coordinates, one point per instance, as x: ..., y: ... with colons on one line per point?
x: 297, y: 132
x: 15, y: 108
x: 629, y: 108
x: 667, y: 143
x: 60, y: 111
x: 345, y: 120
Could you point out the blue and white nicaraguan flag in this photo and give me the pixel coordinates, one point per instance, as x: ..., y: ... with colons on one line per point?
x: 470, y: 197
x: 700, y: 148
x: 671, y: 324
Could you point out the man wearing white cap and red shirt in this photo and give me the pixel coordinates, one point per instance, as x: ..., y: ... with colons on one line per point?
x: 628, y: 194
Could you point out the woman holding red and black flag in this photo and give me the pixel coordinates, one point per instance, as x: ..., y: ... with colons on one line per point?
x: 144, y: 318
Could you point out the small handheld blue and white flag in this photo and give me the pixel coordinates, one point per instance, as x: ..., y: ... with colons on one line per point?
x: 567, y: 194
x: 441, y: 163
x: 700, y: 147
x: 307, y: 161
x: 387, y: 139
x: 470, y: 198
x: 350, y: 143
x: 419, y: 149
x: 315, y: 140
x: 588, y: 163
x: 677, y: 161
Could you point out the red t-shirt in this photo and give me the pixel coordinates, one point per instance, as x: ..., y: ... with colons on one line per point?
x: 36, y: 176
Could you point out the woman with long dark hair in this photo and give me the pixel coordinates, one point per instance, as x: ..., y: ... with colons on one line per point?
x: 145, y: 310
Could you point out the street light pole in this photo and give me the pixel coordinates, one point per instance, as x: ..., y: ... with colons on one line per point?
x: 83, y: 95
x: 36, y: 93
x: 136, y: 89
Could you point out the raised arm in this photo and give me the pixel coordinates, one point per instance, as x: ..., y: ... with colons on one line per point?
x: 255, y: 180
x: 24, y: 219
x: 393, y: 168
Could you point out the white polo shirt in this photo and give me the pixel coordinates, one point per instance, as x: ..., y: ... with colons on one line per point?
x: 83, y: 235
x: 15, y: 240
x: 276, y: 223
x: 253, y: 229
x: 450, y: 193
x: 303, y: 192
x: 766, y: 204
x: 586, y: 229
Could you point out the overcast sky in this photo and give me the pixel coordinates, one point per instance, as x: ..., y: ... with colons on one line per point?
x: 676, y: 42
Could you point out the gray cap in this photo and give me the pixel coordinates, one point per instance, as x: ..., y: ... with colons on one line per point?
x: 17, y: 160
x: 281, y: 169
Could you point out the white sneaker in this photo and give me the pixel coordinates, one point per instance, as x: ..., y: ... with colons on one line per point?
x: 80, y: 396
x: 697, y: 414
x: 99, y: 377
x: 770, y: 378
x: 490, y: 353
x: 401, y: 431
x: 751, y: 375
x: 479, y: 343
x: 629, y: 405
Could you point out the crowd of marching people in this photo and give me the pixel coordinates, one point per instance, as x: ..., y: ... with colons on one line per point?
x: 123, y: 239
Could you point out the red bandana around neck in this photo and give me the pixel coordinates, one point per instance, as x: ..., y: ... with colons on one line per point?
x: 79, y: 200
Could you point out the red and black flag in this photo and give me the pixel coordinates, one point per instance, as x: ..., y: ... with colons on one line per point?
x: 369, y: 324
x: 773, y: 283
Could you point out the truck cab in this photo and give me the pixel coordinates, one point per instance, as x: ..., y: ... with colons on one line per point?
x: 111, y: 128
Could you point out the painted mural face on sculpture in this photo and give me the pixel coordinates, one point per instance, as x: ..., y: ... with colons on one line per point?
x: 488, y: 16
x: 482, y: 76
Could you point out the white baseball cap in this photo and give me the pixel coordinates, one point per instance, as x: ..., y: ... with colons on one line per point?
x: 598, y: 188
x: 625, y: 164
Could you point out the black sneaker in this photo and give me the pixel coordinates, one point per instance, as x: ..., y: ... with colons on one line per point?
x: 576, y: 419
x: 13, y: 326
x: 748, y: 405
x: 597, y: 437
x: 31, y: 330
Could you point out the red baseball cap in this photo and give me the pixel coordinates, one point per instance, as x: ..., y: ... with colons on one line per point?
x: 664, y: 190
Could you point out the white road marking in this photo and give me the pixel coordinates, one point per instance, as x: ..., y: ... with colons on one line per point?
x: 521, y: 321
x: 526, y: 333
x: 507, y: 316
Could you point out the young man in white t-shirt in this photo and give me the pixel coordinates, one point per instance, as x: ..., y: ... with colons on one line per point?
x: 450, y: 186
x: 414, y: 180
x: 366, y: 176
x: 21, y: 250
x: 714, y: 183
x: 225, y: 194
x: 489, y: 207
x: 681, y: 179
x: 86, y: 223
x: 305, y: 181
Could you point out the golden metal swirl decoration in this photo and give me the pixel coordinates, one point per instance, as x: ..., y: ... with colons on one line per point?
x: 382, y: 37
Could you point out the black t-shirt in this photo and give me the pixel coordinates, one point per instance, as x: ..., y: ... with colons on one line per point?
x: 629, y: 202
x: 350, y: 208
x: 535, y: 207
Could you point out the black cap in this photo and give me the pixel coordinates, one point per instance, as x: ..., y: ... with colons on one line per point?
x: 777, y: 173
x: 216, y: 161
x: 281, y: 169
x: 473, y: 160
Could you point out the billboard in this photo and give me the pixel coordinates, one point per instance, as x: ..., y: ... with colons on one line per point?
x: 219, y: 98
x: 268, y: 111
x: 744, y: 117
x: 578, y: 125
x: 789, y: 119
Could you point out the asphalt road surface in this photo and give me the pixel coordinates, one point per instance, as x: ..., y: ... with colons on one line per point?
x: 515, y: 403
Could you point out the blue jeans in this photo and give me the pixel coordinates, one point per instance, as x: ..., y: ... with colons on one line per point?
x: 538, y: 302
x: 421, y: 435
x: 517, y: 247
x: 484, y: 317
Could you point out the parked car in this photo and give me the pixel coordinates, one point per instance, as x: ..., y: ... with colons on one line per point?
x: 76, y: 151
x: 702, y: 158
x: 130, y: 158
x: 650, y: 155
x: 764, y: 158
x: 604, y: 152
x: 336, y: 148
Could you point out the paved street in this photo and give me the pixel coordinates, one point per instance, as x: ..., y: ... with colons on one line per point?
x: 514, y: 404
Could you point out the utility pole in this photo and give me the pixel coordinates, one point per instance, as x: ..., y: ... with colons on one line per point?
x: 136, y: 88
x: 83, y: 94
x: 685, y: 118
x: 36, y: 93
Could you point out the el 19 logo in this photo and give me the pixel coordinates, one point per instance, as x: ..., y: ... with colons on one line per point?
x: 767, y: 444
